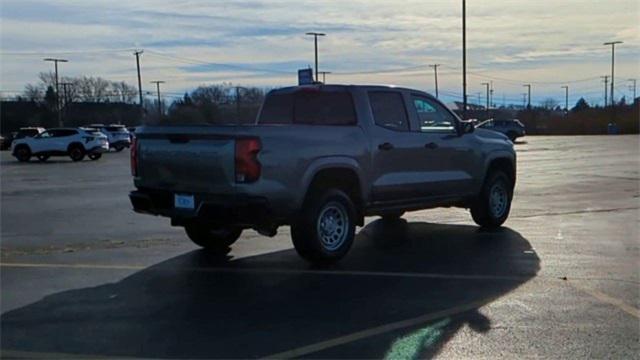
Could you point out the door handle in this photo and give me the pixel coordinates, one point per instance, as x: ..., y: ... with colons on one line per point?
x: 385, y: 146
x: 431, y: 145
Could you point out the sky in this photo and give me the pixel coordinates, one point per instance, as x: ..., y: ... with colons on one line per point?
x: 547, y: 43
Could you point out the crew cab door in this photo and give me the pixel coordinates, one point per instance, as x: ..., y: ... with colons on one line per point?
x: 451, y: 157
x: 398, y: 166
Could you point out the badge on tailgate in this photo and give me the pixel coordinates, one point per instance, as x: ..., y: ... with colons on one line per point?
x: 184, y: 202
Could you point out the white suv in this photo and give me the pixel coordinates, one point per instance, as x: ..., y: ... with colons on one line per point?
x: 118, y: 135
x: 76, y: 143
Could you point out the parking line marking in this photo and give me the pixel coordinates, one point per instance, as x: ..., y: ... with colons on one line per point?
x: 607, y: 299
x: 379, y: 330
x: 282, y: 271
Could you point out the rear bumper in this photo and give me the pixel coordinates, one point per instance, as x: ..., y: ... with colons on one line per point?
x: 242, y: 210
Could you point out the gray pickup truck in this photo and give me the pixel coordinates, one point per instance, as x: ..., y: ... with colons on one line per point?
x: 321, y: 158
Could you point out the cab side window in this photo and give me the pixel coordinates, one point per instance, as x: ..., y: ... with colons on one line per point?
x: 388, y: 110
x: 432, y: 116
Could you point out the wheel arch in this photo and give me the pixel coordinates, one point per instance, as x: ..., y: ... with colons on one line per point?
x: 503, y: 162
x: 342, y: 174
x: 74, y: 144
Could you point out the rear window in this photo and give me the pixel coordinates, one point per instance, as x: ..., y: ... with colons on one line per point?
x: 388, y: 110
x: 277, y: 109
x: 324, y: 108
x: 115, y: 129
x: 309, y: 108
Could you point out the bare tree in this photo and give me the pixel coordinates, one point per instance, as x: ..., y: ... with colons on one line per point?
x: 549, y: 103
x: 123, y: 91
x: 33, y: 93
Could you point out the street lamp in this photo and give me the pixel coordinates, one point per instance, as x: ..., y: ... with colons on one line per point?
x: 56, y: 61
x: 315, y: 40
x: 613, y: 50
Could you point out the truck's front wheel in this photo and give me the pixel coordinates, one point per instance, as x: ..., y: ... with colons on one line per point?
x: 491, y: 208
x: 214, y: 239
x: 326, y: 228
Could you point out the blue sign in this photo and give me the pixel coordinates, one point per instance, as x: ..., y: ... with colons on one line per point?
x: 305, y: 77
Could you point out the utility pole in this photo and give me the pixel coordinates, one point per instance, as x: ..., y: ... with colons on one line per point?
x: 613, y: 50
x: 324, y: 73
x: 479, y: 94
x: 633, y: 88
x: 566, y: 97
x: 491, y: 104
x: 159, y: 102
x: 56, y: 61
x: 524, y: 100
x: 528, y: 86
x: 435, y: 74
x: 137, y: 54
x: 606, y: 89
x: 315, y: 40
x: 464, y: 59
x: 487, y: 85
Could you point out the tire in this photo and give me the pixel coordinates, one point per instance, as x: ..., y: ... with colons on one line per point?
x: 22, y: 153
x: 76, y: 152
x: 43, y: 158
x: 215, y: 240
x: 119, y: 148
x: 325, y: 230
x: 95, y: 156
x: 491, y: 208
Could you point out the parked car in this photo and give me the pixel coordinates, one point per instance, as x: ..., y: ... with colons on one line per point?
x: 512, y: 128
x: 321, y: 159
x: 72, y: 142
x: 23, y: 132
x: 118, y: 135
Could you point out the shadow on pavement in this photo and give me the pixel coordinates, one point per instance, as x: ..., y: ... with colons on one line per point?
x: 194, y: 305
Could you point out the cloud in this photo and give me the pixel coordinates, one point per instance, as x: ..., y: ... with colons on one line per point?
x: 263, y: 43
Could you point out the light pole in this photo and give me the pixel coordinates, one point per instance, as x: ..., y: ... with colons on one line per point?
x: 605, y: 79
x: 528, y: 86
x: 435, y: 74
x: 56, y: 61
x: 315, y: 40
x: 487, y: 85
x: 324, y: 74
x: 159, y: 103
x: 464, y: 59
x: 566, y: 97
x: 137, y: 54
x: 633, y: 88
x: 613, y: 51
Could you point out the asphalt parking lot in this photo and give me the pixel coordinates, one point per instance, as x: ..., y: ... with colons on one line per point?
x: 83, y: 275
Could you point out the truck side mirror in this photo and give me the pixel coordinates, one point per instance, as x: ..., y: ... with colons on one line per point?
x: 466, y: 127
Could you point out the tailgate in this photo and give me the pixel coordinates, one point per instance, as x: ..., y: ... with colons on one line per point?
x: 190, y: 163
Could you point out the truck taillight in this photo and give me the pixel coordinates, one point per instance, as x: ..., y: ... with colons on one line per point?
x: 248, y: 167
x: 134, y: 157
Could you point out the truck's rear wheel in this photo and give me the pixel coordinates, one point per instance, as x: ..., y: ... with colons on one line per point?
x: 492, y: 206
x: 325, y: 230
x: 214, y: 239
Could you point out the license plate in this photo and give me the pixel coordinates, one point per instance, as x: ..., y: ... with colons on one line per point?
x: 184, y: 202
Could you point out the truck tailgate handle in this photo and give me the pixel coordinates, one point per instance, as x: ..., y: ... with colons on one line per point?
x: 431, y: 145
x: 385, y: 146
